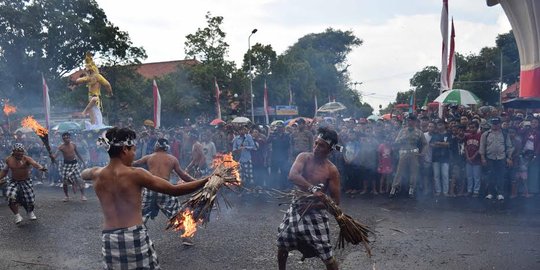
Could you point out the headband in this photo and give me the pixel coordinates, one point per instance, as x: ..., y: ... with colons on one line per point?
x: 327, y: 140
x: 17, y: 147
x: 106, y: 143
x: 163, y: 145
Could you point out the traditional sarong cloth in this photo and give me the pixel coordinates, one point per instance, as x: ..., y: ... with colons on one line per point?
x: 153, y: 201
x: 71, y: 174
x: 21, y: 192
x: 309, y: 234
x: 128, y: 248
x: 246, y: 172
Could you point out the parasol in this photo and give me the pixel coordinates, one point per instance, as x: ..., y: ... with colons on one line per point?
x: 332, y: 107
x: 241, y: 120
x: 458, y: 96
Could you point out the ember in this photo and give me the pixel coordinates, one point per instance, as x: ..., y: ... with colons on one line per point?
x: 185, y: 222
x: 8, y: 109
x: 202, y: 202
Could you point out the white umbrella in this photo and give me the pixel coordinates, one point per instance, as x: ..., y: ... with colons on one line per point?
x: 331, y: 107
x: 241, y: 120
x: 458, y: 96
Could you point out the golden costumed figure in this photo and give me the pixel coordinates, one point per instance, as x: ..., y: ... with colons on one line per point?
x: 93, y: 81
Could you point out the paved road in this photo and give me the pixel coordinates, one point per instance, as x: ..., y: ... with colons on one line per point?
x: 423, y: 234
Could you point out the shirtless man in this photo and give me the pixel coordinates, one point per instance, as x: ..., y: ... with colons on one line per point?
x: 161, y: 164
x: 19, y: 189
x: 71, y: 175
x: 118, y: 186
x: 310, y: 234
x: 198, y: 161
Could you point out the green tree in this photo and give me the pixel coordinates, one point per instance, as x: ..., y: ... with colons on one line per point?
x: 426, y: 84
x: 51, y: 37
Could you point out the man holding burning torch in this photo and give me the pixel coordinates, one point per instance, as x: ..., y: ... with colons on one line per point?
x: 71, y: 175
x: 20, y: 189
x: 126, y: 244
x: 307, y: 230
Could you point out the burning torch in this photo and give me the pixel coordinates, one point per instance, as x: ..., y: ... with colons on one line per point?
x: 8, y: 109
x: 42, y: 133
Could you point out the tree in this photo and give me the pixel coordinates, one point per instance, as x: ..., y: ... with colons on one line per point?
x: 425, y: 84
x: 51, y: 37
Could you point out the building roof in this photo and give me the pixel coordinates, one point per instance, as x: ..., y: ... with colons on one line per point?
x: 510, y: 92
x: 155, y: 69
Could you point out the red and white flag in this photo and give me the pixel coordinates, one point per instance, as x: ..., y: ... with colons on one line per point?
x: 265, y: 101
x: 444, y: 57
x: 218, y: 94
x: 46, y: 103
x: 452, y: 60
x: 157, y: 105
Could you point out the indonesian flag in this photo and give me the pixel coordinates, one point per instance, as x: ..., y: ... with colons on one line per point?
x: 444, y: 57
x: 265, y: 101
x: 46, y: 102
x: 218, y: 93
x: 157, y: 105
x: 452, y: 60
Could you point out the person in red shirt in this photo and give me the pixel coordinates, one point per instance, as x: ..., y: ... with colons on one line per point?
x: 473, y: 165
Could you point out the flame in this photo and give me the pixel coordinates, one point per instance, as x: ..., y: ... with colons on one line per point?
x: 227, y: 161
x: 30, y: 122
x: 8, y: 109
x: 186, y: 222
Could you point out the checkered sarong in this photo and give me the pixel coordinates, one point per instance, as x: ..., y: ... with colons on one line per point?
x: 309, y: 234
x: 22, y: 193
x: 128, y: 248
x: 71, y: 174
x: 246, y: 172
x: 153, y: 201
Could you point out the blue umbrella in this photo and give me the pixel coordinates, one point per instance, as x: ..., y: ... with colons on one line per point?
x: 67, y: 126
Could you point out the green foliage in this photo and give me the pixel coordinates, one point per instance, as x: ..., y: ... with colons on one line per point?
x: 51, y: 37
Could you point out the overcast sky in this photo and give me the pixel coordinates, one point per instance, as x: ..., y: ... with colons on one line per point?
x: 400, y: 36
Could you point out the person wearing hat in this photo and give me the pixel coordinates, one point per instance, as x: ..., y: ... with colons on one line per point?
x: 496, y: 154
x: 412, y: 144
x: 19, y: 190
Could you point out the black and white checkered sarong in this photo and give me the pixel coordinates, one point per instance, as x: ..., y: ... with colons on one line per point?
x: 21, y: 192
x: 71, y: 174
x: 246, y: 172
x: 309, y: 234
x: 153, y: 201
x: 128, y: 248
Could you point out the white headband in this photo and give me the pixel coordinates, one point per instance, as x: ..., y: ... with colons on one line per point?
x: 106, y: 143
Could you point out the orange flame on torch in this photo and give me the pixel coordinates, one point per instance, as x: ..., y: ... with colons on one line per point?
x: 227, y: 161
x: 8, y: 109
x: 30, y: 122
x: 187, y: 223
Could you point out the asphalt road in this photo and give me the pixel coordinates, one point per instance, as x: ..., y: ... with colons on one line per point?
x: 410, y: 234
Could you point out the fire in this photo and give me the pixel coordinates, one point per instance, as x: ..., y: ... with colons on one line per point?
x: 227, y: 161
x: 187, y: 223
x: 30, y: 122
x: 8, y: 109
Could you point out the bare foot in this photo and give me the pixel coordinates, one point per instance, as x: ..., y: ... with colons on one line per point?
x: 66, y: 199
x: 83, y: 198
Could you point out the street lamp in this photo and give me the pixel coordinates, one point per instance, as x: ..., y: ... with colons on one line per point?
x: 251, y: 76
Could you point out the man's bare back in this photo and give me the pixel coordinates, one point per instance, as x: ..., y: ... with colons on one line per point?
x: 162, y: 164
x: 118, y: 188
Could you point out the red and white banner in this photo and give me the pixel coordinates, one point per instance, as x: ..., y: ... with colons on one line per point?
x: 444, y: 56
x: 265, y: 101
x: 452, y: 60
x: 46, y: 103
x: 218, y: 94
x: 157, y: 105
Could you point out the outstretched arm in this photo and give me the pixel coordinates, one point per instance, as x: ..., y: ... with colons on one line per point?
x: 35, y: 164
x: 148, y: 180
x: 90, y: 173
x: 140, y: 161
x: 181, y: 173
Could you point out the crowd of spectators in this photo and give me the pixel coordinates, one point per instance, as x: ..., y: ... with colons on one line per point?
x: 476, y: 153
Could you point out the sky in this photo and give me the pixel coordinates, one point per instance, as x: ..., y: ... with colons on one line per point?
x: 400, y: 37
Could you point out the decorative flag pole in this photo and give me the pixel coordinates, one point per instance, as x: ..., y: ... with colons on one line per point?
x: 452, y: 60
x: 46, y: 103
x: 218, y: 94
x: 157, y: 105
x: 265, y: 101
